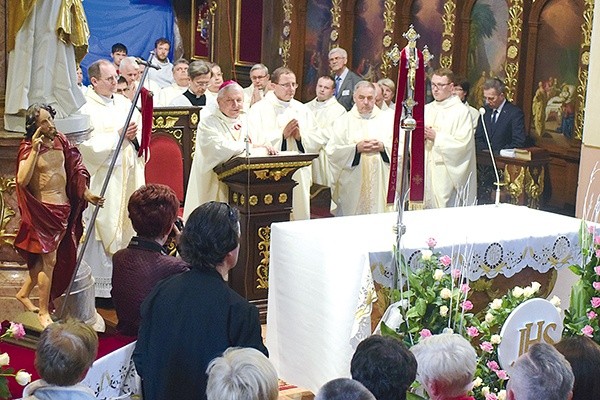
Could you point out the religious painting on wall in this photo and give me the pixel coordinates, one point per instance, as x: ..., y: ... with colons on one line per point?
x: 248, y: 32
x: 427, y: 20
x: 488, y: 38
x: 316, y: 45
x: 367, y: 46
x: 203, y: 12
x: 555, y: 99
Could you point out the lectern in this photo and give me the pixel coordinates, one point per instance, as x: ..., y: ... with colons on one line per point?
x: 261, y: 189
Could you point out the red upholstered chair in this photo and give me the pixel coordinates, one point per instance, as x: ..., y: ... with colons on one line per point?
x: 166, y: 163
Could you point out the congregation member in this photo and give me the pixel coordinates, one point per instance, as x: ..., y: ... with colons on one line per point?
x: 379, y: 100
x: 199, y: 74
x: 344, y: 389
x: 462, y: 89
x: 504, y: 121
x: 242, y: 374
x: 132, y: 71
x: 583, y: 354
x: 450, y: 164
x: 178, y: 87
x: 139, y: 267
x: 117, y: 53
x: 64, y: 354
x: 288, y: 125
x: 216, y: 80
x: 221, y: 136
x: 163, y: 76
x: 193, y: 317
x: 541, y: 373
x: 389, y: 91
x: 385, y: 366
x: 108, y: 113
x: 259, y: 75
x: 345, y: 80
x: 80, y: 84
x: 327, y: 110
x: 445, y: 365
x: 359, y: 152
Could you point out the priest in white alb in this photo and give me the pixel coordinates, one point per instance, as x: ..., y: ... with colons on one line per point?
x: 288, y: 125
x: 450, y: 164
x: 327, y: 110
x: 359, y: 152
x: 108, y: 113
x: 221, y: 136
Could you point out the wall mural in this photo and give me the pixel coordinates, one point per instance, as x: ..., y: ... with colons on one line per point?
x: 316, y: 44
x: 368, y: 36
x: 488, y: 38
x: 427, y: 21
x: 554, y: 103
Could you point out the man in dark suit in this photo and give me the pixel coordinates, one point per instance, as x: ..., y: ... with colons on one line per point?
x: 503, y: 120
x: 345, y: 80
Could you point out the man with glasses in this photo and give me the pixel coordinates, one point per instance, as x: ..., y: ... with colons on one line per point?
x: 345, y: 80
x: 108, y: 114
x: 259, y: 75
x: 289, y: 126
x: 450, y: 168
x: 200, y: 74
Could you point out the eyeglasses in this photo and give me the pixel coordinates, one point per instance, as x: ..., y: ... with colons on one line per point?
x: 290, y: 85
x: 439, y: 85
x: 257, y: 78
x: 201, y: 84
x: 336, y: 58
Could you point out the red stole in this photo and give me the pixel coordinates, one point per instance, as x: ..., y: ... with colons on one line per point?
x: 147, y: 110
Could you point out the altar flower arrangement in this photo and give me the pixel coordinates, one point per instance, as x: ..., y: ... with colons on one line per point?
x: 13, y: 330
x: 435, y: 300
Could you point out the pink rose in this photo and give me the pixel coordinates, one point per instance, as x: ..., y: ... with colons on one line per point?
x: 597, y: 253
x: 592, y: 315
x: 431, y: 242
x: 591, y: 229
x: 587, y: 331
x: 464, y: 288
x: 597, y: 270
x: 596, y: 285
x: 502, y: 374
x: 455, y: 273
x: 491, y: 396
x: 487, y: 347
x: 595, y: 302
x: 472, y: 331
x: 493, y: 365
x: 445, y: 260
x: 425, y: 333
x: 468, y: 306
x: 597, y: 240
x: 17, y: 330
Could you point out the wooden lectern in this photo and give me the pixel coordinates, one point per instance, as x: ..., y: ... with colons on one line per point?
x: 261, y: 189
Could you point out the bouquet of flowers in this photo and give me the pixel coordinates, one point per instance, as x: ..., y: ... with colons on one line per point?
x: 11, y: 329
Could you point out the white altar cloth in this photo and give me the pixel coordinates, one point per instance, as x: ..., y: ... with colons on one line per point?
x: 321, y: 283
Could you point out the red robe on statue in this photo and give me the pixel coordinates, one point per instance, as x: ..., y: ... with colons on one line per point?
x: 47, y: 227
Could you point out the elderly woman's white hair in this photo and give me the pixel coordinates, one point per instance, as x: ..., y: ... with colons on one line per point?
x: 445, y: 365
x: 241, y: 374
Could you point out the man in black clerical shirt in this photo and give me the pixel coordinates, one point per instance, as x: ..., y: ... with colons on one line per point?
x: 200, y: 73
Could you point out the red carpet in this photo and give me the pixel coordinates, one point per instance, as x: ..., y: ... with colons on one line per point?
x: 22, y: 358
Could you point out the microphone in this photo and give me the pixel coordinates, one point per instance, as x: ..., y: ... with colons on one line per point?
x: 487, y: 138
x: 146, y: 63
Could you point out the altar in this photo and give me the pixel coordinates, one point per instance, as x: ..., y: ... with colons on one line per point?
x: 323, y: 272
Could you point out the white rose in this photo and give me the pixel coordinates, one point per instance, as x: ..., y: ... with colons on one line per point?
x: 443, y: 311
x: 496, y: 304
x: 496, y: 339
x: 555, y: 301
x: 23, y: 378
x: 489, y: 318
x: 502, y: 395
x: 4, y: 359
x: 528, y: 291
x: 536, y: 286
x: 445, y: 293
x: 426, y: 255
x: 438, y: 274
x: 517, y: 291
x: 477, y: 382
x: 485, y: 390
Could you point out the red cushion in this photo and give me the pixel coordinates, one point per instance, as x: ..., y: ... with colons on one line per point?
x: 166, y: 163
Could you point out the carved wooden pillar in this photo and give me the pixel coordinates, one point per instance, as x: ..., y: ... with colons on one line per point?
x: 513, y: 47
x: 448, y: 35
x: 584, y: 60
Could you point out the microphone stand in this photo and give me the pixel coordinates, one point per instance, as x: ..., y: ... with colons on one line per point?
x: 90, y: 228
x: 487, y: 138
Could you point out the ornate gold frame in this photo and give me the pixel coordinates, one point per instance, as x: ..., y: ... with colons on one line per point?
x: 211, y: 50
